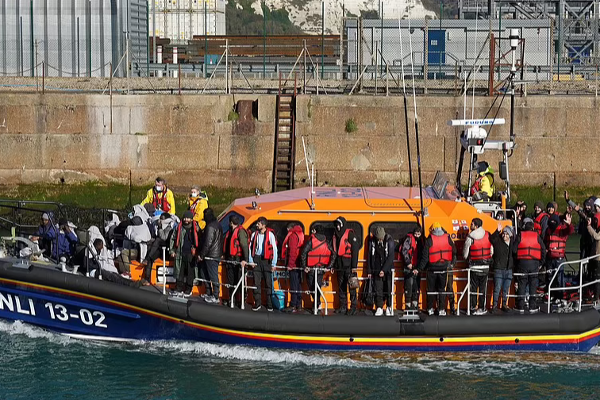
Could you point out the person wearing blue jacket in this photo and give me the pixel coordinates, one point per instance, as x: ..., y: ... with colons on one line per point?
x: 64, y: 246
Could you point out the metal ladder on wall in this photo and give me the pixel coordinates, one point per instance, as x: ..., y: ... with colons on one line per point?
x: 285, y: 138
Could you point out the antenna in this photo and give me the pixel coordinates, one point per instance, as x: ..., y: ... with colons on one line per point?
x: 474, y: 63
x: 310, y: 175
x: 405, y: 102
x: 412, y: 67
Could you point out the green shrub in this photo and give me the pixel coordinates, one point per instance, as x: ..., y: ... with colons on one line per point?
x: 351, y: 126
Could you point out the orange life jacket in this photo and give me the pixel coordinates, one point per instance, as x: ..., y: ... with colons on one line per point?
x: 413, y: 251
x: 537, y: 222
x: 195, y: 229
x: 285, y: 249
x: 481, y: 249
x: 440, y: 250
x: 267, y: 246
x: 160, y: 203
x: 345, y: 248
x: 556, y: 245
x: 235, y: 248
x: 319, y: 255
x: 529, y: 248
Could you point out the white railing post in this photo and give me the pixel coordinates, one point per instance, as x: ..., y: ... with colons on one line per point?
x: 164, y: 269
x: 243, y: 287
x: 468, y: 291
x: 393, y: 294
x: 315, y: 301
x: 580, y: 290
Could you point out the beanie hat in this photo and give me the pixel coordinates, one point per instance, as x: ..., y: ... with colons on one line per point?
x: 550, y: 204
x: 380, y: 233
x: 341, y: 221
x: 527, y: 221
x: 45, y: 216
x: 539, y: 204
x: 188, y: 214
x: 508, y: 230
x: 553, y: 221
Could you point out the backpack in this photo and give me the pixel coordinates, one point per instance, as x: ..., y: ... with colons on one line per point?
x: 368, y: 293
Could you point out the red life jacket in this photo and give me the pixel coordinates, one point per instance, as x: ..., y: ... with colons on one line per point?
x: 235, y: 248
x: 194, y: 205
x: 440, y: 250
x: 413, y: 251
x: 345, y: 248
x: 319, y: 255
x: 481, y: 249
x: 537, y: 222
x: 529, y: 248
x: 195, y: 229
x: 267, y: 246
x: 161, y: 203
x: 285, y: 247
x: 596, y: 221
x: 556, y: 244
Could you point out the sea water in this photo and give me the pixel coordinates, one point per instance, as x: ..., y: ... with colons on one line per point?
x: 36, y: 364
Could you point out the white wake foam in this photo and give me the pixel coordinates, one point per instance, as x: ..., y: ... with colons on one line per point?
x: 490, y: 364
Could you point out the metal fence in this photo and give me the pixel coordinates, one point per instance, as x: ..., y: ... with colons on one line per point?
x: 445, y: 56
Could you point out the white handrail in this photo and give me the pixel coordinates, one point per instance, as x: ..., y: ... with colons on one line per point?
x: 164, y: 269
x: 582, y: 263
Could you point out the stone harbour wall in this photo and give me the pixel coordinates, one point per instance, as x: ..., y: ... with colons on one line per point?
x: 194, y: 139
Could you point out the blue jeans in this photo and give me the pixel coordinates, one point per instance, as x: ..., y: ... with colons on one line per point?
x: 502, y: 280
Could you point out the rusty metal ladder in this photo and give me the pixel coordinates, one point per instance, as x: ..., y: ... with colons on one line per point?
x: 285, y: 138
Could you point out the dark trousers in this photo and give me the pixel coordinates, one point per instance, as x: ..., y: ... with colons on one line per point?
x: 450, y: 289
x: 344, y: 276
x: 154, y: 252
x: 234, y: 273
x: 383, y: 289
x: 436, y: 282
x: 296, y: 287
x: 530, y: 279
x: 316, y: 296
x: 411, y: 288
x: 559, y: 280
x: 479, y: 279
x: 187, y: 272
x: 209, y: 271
x: 594, y: 273
x: 262, y: 271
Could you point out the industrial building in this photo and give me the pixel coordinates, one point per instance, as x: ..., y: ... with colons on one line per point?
x: 79, y: 38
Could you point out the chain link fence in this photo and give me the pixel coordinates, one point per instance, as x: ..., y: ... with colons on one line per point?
x: 369, y: 56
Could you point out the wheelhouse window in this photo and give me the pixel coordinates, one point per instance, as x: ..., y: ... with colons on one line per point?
x: 329, y: 229
x: 280, y: 229
x: 224, y: 222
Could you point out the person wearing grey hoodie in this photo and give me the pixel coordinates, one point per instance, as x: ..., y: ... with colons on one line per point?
x: 479, y: 251
x: 163, y: 236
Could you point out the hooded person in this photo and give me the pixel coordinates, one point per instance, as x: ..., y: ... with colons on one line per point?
x: 594, y: 265
x: 530, y: 254
x: 379, y: 267
x: 556, y: 244
x: 540, y: 219
x: 165, y: 226
x: 235, y: 250
x: 503, y: 264
x: 45, y: 234
x: 97, y: 269
x: 346, y: 246
x: 197, y: 203
x: 411, y: 255
x: 137, y: 236
x: 290, y: 252
x: 64, y: 244
x: 104, y: 257
x: 210, y: 255
x: 317, y: 256
x: 184, y: 245
x: 479, y: 251
x: 439, y: 256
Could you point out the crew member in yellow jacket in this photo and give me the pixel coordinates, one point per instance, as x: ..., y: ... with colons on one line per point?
x: 483, y: 189
x: 161, y: 197
x: 198, y: 202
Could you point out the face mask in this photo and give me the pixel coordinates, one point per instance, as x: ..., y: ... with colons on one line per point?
x: 158, y: 188
x: 194, y: 195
